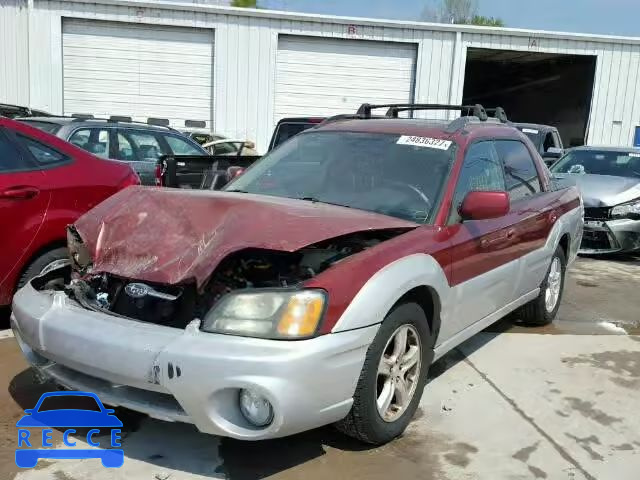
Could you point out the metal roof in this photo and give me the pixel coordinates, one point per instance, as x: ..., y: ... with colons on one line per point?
x: 250, y: 12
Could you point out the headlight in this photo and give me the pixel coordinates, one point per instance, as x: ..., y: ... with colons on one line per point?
x: 267, y: 314
x: 627, y: 210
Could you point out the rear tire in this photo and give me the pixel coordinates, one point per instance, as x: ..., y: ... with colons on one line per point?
x: 42, y: 263
x: 543, y: 309
x: 405, y: 380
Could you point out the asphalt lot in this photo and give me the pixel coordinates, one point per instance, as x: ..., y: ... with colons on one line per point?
x: 558, y: 402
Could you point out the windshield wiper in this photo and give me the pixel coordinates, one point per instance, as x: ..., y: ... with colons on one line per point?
x: 317, y: 200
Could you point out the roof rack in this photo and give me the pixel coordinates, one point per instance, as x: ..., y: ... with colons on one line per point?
x: 82, y: 116
x: 394, y: 108
x: 499, y: 113
x: 158, y: 122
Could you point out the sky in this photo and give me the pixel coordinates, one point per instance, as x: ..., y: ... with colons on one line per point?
x: 611, y: 17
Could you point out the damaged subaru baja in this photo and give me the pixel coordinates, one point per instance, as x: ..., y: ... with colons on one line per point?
x: 318, y: 288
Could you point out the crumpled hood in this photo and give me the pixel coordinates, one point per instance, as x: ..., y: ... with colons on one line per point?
x: 170, y: 235
x: 603, y: 190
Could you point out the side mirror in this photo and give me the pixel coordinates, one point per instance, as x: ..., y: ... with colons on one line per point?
x: 478, y: 205
x: 553, y: 152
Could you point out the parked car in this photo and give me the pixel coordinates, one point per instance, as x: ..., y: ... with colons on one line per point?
x: 546, y: 139
x: 318, y: 287
x: 138, y: 144
x: 610, y: 182
x: 45, y: 184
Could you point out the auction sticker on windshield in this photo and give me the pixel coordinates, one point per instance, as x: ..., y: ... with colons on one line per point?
x: 424, y: 142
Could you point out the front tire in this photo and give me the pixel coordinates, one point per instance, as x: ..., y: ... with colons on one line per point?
x: 392, y: 378
x: 543, y: 309
x: 56, y: 258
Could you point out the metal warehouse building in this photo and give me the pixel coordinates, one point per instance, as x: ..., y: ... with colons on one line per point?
x: 242, y: 70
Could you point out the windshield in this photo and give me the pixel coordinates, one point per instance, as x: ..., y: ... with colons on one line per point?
x: 600, y: 162
x: 46, y: 126
x: 398, y: 176
x: 534, y: 135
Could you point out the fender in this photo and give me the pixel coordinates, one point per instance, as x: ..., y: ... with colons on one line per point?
x: 374, y: 300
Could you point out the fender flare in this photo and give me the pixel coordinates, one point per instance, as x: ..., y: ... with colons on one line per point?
x: 388, y: 285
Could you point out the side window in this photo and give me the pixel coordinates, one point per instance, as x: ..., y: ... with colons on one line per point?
x: 93, y: 140
x: 43, y: 154
x: 147, y: 145
x: 125, y: 150
x: 10, y: 158
x: 519, y: 169
x: 481, y: 171
x: 180, y: 146
x: 548, y: 142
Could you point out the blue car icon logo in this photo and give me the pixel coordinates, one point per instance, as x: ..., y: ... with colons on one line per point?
x: 53, y: 410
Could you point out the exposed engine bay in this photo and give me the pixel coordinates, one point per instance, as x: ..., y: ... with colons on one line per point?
x: 177, y: 305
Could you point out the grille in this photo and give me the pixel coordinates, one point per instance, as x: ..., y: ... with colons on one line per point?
x: 597, y: 213
x: 596, y: 240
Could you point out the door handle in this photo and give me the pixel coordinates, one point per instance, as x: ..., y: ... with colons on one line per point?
x: 19, y: 193
x: 553, y: 216
x: 511, y: 233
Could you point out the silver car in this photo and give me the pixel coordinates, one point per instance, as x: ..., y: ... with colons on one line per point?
x: 609, y: 179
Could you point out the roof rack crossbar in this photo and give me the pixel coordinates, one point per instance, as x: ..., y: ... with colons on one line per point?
x: 394, y: 108
x: 499, y: 113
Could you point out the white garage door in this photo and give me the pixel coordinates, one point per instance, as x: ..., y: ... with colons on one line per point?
x: 141, y: 71
x: 321, y: 76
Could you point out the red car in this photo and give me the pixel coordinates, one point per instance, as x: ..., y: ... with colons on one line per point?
x: 318, y: 287
x: 45, y: 184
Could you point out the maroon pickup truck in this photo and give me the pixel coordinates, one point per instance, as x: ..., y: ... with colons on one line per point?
x: 318, y: 287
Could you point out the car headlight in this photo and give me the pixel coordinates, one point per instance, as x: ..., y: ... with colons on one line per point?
x: 627, y: 210
x: 267, y: 314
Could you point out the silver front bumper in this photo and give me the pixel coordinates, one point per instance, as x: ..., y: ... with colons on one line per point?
x: 189, y: 375
x: 610, y: 236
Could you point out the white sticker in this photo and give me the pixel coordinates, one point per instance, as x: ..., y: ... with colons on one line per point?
x: 424, y: 142
x: 635, y: 155
x: 530, y: 130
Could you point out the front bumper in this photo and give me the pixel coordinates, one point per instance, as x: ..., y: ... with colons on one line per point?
x: 188, y: 375
x: 610, y: 236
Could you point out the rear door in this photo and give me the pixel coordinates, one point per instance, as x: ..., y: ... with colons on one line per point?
x: 482, y: 250
x: 24, y: 198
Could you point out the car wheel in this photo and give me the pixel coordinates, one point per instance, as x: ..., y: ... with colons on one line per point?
x: 56, y: 258
x: 392, y: 378
x: 544, y: 308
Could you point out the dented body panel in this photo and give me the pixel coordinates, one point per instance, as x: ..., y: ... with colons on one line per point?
x: 172, y: 236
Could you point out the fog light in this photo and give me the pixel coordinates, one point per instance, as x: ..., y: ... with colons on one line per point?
x: 255, y: 408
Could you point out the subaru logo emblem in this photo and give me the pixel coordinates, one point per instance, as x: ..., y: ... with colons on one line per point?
x: 137, y: 290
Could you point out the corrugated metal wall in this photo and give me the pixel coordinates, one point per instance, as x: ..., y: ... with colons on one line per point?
x: 246, y: 49
x: 14, y: 52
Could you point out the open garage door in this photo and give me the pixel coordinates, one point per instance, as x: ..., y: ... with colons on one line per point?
x: 325, y: 76
x: 113, y: 68
x: 542, y: 88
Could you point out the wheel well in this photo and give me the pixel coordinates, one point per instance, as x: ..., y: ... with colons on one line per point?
x: 564, y: 243
x: 60, y: 243
x: 429, y: 301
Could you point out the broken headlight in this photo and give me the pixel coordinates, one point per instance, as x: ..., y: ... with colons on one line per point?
x: 627, y: 210
x: 267, y: 314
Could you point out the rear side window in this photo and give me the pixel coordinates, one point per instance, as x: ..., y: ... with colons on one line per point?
x: 481, y: 171
x: 93, y: 140
x: 519, y: 168
x: 43, y: 154
x: 10, y: 158
x: 180, y: 146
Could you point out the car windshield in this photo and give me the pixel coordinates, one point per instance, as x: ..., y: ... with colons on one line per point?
x: 69, y: 402
x: 398, y: 176
x: 48, y: 127
x: 600, y: 162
